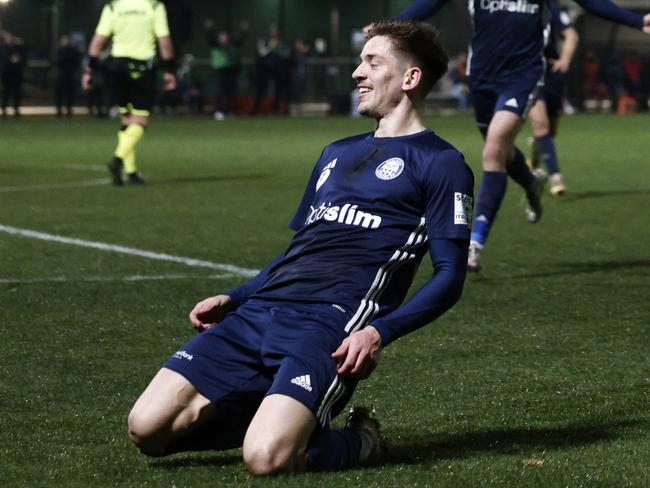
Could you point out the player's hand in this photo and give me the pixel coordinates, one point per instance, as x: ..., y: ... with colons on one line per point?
x: 559, y: 66
x: 86, y: 81
x: 210, y: 311
x: 646, y: 24
x: 359, y: 353
x: 169, y: 81
x: 366, y: 29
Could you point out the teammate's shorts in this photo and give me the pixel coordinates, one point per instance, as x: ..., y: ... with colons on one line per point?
x: 553, y: 94
x: 516, y: 94
x: 133, y: 85
x: 267, y: 347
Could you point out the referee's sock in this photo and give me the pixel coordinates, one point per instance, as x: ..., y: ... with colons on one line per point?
x: 126, y: 141
x: 490, y: 195
x: 330, y: 450
x: 546, y: 146
x: 519, y: 171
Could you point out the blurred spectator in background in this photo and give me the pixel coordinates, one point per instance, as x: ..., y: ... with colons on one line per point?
x: 633, y: 67
x: 68, y: 62
x: 273, y: 64
x: 99, y: 88
x: 299, y: 55
x: 189, y: 86
x: 13, y: 62
x: 592, y: 86
x: 226, y: 64
x: 459, y: 84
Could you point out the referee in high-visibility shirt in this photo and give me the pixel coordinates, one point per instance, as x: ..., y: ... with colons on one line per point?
x: 134, y: 26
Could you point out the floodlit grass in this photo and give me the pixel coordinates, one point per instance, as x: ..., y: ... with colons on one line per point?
x: 538, y: 377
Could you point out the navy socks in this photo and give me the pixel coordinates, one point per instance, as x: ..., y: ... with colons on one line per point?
x: 490, y: 196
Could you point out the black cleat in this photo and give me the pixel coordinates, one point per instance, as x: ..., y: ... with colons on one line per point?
x: 135, y: 179
x: 115, y: 166
x: 534, y: 196
x: 373, y: 442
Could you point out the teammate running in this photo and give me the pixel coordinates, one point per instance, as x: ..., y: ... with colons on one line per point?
x: 134, y: 26
x: 290, y: 345
x: 506, y: 69
x: 545, y: 114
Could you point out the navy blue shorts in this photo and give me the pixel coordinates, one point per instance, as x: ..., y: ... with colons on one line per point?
x: 268, y: 347
x: 514, y: 94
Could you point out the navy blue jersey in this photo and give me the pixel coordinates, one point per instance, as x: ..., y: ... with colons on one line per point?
x: 509, y: 35
x: 560, y: 21
x: 363, y: 224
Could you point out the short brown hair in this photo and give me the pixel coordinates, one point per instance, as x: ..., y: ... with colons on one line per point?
x: 418, y: 40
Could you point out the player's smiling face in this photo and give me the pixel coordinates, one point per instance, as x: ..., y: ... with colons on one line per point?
x: 379, y: 77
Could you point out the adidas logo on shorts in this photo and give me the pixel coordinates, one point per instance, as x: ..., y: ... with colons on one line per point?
x: 303, y: 381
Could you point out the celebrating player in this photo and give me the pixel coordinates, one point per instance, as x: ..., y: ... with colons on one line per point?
x: 134, y: 26
x: 545, y: 114
x: 506, y: 70
x: 279, y: 356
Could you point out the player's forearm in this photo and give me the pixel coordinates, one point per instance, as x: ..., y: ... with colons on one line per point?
x: 421, y: 9
x: 437, y: 296
x: 96, y: 45
x: 166, y: 48
x: 611, y: 11
x: 570, y: 45
x: 242, y: 292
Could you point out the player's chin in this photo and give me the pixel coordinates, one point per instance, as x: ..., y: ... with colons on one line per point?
x: 367, y: 111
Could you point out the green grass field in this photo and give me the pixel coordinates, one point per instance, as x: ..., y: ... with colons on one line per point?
x: 538, y: 377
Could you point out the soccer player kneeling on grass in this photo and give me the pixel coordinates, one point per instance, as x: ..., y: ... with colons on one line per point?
x: 279, y: 356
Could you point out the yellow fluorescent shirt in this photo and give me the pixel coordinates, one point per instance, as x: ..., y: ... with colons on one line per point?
x: 134, y: 26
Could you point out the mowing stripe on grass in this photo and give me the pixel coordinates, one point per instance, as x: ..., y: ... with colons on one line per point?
x: 102, y: 246
x: 79, y: 279
x: 55, y: 186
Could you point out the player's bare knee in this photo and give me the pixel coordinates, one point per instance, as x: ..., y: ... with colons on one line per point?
x: 540, y: 127
x: 265, y: 459
x: 494, y: 156
x: 143, y: 434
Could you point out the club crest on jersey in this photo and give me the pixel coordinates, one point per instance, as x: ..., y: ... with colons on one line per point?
x: 325, y: 173
x: 463, y: 205
x: 390, y: 169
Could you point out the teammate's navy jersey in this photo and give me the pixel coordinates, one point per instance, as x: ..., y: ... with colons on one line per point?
x: 560, y: 20
x: 363, y: 223
x: 509, y: 35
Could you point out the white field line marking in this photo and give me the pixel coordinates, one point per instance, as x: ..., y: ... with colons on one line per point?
x: 85, y: 167
x: 77, y: 167
x: 65, y: 279
x: 199, y: 263
x: 54, y: 186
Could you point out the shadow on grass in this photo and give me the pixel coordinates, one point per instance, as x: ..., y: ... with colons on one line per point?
x: 585, y: 195
x: 211, y: 179
x: 187, y: 460
x: 510, y: 441
x: 590, y: 267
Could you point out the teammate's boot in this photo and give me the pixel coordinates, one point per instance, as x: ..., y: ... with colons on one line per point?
x: 558, y: 188
x: 115, y: 166
x: 135, y: 179
x: 373, y: 442
x: 474, y: 257
x: 534, y: 196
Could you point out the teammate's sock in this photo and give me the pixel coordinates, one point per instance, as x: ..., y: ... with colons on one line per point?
x: 127, y: 141
x: 330, y: 450
x: 546, y: 146
x: 490, y: 195
x: 519, y: 171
